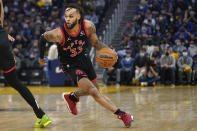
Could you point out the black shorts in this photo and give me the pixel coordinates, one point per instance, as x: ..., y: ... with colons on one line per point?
x: 7, y: 62
x: 82, y: 68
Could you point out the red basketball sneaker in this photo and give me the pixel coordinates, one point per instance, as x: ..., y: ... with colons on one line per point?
x: 71, y: 105
x: 127, y: 119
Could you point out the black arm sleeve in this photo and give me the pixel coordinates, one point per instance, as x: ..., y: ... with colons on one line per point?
x: 42, y: 44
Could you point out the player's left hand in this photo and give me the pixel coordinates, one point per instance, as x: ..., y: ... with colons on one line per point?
x: 11, y: 38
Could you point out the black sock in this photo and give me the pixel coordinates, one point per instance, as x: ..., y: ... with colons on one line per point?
x: 24, y: 92
x: 119, y: 112
x: 73, y: 98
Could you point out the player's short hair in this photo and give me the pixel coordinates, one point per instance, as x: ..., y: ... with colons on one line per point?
x: 78, y: 8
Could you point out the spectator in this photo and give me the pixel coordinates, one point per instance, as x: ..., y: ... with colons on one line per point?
x: 26, y: 31
x: 167, y: 62
x: 127, y: 68
x: 109, y: 73
x: 34, y: 49
x: 164, y: 46
x: 185, y: 66
x: 139, y: 17
x: 142, y: 7
x: 156, y: 55
x: 178, y: 48
x: 55, y: 13
x: 151, y: 74
x: 192, y: 16
x: 169, y: 38
x: 150, y: 20
x: 92, y: 17
x: 53, y: 54
x: 156, y: 35
x: 183, y: 37
x: 100, y: 5
x: 192, y: 50
x: 31, y: 62
x: 184, y: 41
x: 140, y: 64
x: 188, y: 25
x: 179, y: 14
x: 127, y: 29
x: 125, y: 42
x: 135, y: 47
x: 145, y: 31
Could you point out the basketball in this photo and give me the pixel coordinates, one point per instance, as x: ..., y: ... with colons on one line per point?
x: 106, y: 57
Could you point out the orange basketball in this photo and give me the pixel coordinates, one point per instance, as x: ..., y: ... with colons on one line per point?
x: 106, y: 57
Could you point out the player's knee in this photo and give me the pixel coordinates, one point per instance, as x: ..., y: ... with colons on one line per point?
x: 88, y: 87
x: 93, y: 92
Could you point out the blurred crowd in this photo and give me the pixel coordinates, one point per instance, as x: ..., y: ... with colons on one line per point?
x: 26, y: 20
x: 158, y: 46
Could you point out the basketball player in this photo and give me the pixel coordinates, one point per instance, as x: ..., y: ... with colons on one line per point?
x: 72, y: 38
x: 8, y: 65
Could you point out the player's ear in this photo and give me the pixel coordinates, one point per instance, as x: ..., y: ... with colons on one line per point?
x: 78, y: 16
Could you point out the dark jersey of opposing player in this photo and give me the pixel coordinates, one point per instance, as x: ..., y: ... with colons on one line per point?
x: 73, y: 46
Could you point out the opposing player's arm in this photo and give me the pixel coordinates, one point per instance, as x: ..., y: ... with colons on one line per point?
x: 91, y: 30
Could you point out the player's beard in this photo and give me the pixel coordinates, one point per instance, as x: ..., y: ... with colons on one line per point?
x: 73, y: 25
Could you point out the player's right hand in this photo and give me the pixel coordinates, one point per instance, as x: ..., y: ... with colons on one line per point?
x: 42, y: 62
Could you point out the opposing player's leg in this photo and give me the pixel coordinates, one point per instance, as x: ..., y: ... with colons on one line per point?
x: 42, y: 119
x: 7, y: 65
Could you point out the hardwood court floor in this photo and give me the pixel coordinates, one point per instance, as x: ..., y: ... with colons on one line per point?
x: 154, y: 109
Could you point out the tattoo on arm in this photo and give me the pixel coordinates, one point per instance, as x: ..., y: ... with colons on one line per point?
x: 99, y: 45
x: 94, y: 39
x: 59, y: 38
x: 92, y: 28
x: 49, y: 36
x: 54, y: 36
